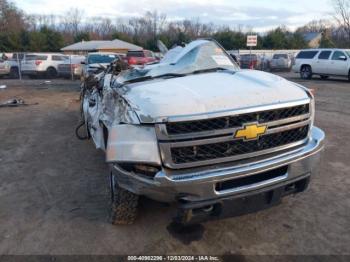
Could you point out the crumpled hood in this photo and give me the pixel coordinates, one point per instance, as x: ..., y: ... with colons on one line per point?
x: 209, y: 93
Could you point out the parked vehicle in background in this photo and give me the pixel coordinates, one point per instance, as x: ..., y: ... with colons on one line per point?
x: 322, y: 62
x: 9, y: 65
x: 250, y: 61
x: 42, y: 64
x: 236, y: 58
x: 280, y: 62
x: 71, y: 66
x: 97, y: 61
x: 140, y: 57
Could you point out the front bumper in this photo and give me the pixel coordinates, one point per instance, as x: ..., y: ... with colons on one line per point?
x: 200, y: 185
x: 239, y: 204
x: 279, y: 66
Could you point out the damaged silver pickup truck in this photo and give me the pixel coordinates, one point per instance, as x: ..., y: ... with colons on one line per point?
x: 196, y: 130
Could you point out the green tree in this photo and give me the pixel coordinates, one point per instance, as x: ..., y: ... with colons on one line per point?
x: 24, y: 38
x: 230, y: 39
x: 9, y: 42
x: 326, y: 42
x: 276, y: 39
x: 121, y: 36
x: 53, y: 39
x: 297, y: 41
x: 37, y: 41
x: 82, y: 36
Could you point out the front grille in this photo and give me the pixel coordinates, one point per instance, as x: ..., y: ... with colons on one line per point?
x: 189, y: 154
x: 186, y: 127
x: 193, y: 143
x: 252, y: 179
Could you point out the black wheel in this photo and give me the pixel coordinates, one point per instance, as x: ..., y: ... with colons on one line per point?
x: 306, y: 72
x: 14, y: 72
x: 324, y: 77
x: 124, y: 204
x: 51, y: 72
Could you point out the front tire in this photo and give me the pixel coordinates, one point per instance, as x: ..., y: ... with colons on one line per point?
x: 306, y: 72
x: 51, y: 73
x: 124, y: 204
x: 14, y: 74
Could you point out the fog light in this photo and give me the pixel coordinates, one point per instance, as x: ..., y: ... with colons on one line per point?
x: 146, y: 169
x: 141, y: 169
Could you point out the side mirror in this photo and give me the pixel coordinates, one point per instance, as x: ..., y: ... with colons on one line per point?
x: 343, y: 57
x: 82, y: 62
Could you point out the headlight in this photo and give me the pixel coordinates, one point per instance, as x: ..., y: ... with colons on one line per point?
x: 133, y: 143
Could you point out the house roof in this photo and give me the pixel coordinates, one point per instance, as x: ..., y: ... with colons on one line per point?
x: 119, y: 44
x: 84, y: 46
x: 101, y: 45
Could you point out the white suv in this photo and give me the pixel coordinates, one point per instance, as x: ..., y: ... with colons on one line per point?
x: 322, y: 62
x: 42, y: 64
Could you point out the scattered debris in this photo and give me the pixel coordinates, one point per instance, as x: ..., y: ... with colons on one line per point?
x: 15, y: 102
x: 46, y: 82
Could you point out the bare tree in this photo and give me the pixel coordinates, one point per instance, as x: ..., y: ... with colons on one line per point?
x: 38, y: 21
x: 71, y: 20
x: 315, y: 26
x: 342, y: 15
x: 11, y: 18
x: 105, y: 28
x: 155, y: 22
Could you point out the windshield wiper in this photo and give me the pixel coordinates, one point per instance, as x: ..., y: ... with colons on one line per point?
x: 207, y: 70
x: 145, y: 78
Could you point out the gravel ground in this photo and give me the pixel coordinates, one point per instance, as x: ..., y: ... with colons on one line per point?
x: 54, y: 195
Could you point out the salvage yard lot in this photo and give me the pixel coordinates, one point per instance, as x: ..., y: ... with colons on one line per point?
x: 54, y: 195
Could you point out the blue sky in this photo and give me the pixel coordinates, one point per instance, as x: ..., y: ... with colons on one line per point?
x: 260, y: 15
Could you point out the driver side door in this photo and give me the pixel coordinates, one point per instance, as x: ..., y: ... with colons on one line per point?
x: 339, y: 62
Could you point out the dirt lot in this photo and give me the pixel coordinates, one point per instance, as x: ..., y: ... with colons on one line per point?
x: 54, y: 195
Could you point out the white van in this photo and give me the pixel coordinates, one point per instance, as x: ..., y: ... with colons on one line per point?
x: 322, y: 62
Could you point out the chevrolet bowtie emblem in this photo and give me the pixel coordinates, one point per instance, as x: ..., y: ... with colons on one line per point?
x: 250, y: 131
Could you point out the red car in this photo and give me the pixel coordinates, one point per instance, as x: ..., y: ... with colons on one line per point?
x: 251, y: 61
x: 140, y: 57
